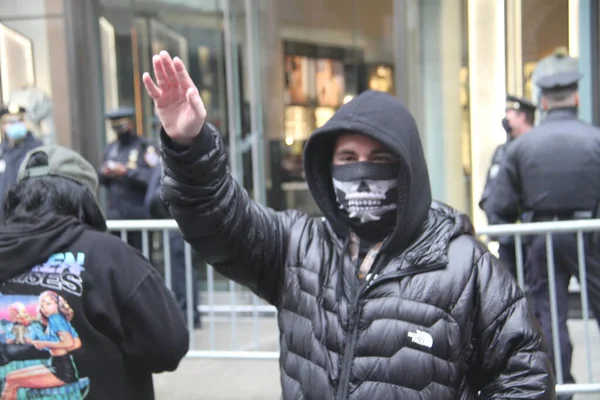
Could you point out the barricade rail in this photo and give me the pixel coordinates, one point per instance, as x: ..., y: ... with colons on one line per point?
x: 263, y: 314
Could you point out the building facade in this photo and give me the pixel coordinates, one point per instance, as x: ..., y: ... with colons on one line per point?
x: 271, y: 71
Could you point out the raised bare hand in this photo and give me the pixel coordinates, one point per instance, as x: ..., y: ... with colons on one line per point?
x: 176, y: 98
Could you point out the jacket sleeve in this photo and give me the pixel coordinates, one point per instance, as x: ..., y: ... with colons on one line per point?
x: 243, y: 240
x: 488, y: 182
x: 512, y: 358
x: 504, y: 199
x: 102, y: 178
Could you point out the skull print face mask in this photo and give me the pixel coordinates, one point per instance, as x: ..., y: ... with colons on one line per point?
x: 365, y: 190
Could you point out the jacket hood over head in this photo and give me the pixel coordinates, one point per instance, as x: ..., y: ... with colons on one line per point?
x: 24, y: 245
x: 384, y: 118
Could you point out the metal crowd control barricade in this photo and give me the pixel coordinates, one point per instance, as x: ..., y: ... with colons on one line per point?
x: 579, y: 228
x: 259, y: 312
x: 248, y: 335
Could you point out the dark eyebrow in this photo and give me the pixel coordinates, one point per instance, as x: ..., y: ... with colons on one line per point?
x: 345, y: 152
x: 382, y: 151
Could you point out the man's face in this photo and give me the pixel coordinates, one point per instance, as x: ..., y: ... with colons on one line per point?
x: 9, y: 120
x: 122, y: 125
x: 365, y: 177
x: 352, y: 148
x: 516, y: 119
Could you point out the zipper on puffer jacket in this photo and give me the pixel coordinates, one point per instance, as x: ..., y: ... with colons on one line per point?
x: 370, y: 282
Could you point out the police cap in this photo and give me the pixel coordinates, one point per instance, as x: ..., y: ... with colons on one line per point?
x: 13, y: 109
x: 121, y: 113
x: 568, y: 80
x: 519, y: 103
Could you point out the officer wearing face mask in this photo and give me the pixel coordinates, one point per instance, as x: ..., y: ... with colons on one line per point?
x: 126, y: 170
x: 389, y: 295
x: 519, y: 119
x: 16, y: 142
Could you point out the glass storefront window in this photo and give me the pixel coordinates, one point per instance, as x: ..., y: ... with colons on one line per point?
x: 546, y: 38
x: 132, y: 33
x: 33, y: 68
x: 320, y: 54
x: 435, y: 81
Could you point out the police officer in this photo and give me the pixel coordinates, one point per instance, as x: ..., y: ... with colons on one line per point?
x: 518, y: 120
x: 553, y: 173
x: 126, y: 170
x: 16, y: 142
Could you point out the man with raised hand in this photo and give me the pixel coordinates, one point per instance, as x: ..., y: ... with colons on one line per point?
x: 389, y: 296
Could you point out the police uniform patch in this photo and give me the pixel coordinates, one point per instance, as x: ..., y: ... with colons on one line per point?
x: 494, y: 169
x: 151, y: 156
x: 133, y: 159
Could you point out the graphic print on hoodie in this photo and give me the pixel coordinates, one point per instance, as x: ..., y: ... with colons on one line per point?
x: 76, y: 323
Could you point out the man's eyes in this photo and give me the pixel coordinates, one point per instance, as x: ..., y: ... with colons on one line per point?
x: 383, y: 159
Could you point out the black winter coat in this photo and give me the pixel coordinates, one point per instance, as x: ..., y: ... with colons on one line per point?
x: 439, y: 318
x: 553, y: 169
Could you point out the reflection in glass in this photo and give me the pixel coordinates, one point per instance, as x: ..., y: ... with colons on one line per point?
x: 298, y: 73
x: 297, y: 123
x: 322, y: 115
x: 16, y: 61
x: 465, y: 123
x: 329, y: 82
x: 381, y: 78
x: 109, y: 71
x: 164, y: 38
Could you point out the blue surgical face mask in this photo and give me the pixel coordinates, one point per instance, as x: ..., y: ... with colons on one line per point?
x: 16, y: 131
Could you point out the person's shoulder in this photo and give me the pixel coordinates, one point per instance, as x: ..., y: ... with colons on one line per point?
x: 520, y: 146
x: 34, y: 142
x: 447, y: 236
x: 107, y: 244
x: 499, y: 149
x: 466, y: 245
x: 589, y: 128
x: 469, y: 257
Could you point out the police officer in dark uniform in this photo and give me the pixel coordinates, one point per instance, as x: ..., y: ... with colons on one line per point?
x: 125, y: 171
x: 553, y: 173
x: 16, y: 142
x: 519, y: 119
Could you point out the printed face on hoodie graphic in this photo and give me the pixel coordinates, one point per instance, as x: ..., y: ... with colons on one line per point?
x: 365, y: 177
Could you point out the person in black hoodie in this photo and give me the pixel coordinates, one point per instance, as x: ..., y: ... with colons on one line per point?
x: 390, y: 296
x: 100, y: 319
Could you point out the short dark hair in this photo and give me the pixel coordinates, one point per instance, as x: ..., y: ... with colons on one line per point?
x: 51, y: 195
x: 559, y: 95
x: 529, y: 116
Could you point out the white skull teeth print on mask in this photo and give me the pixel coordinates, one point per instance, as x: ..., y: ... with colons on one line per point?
x: 366, y: 191
x: 366, y: 199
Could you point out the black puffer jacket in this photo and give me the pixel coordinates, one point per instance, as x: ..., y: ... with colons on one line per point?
x: 440, y: 319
